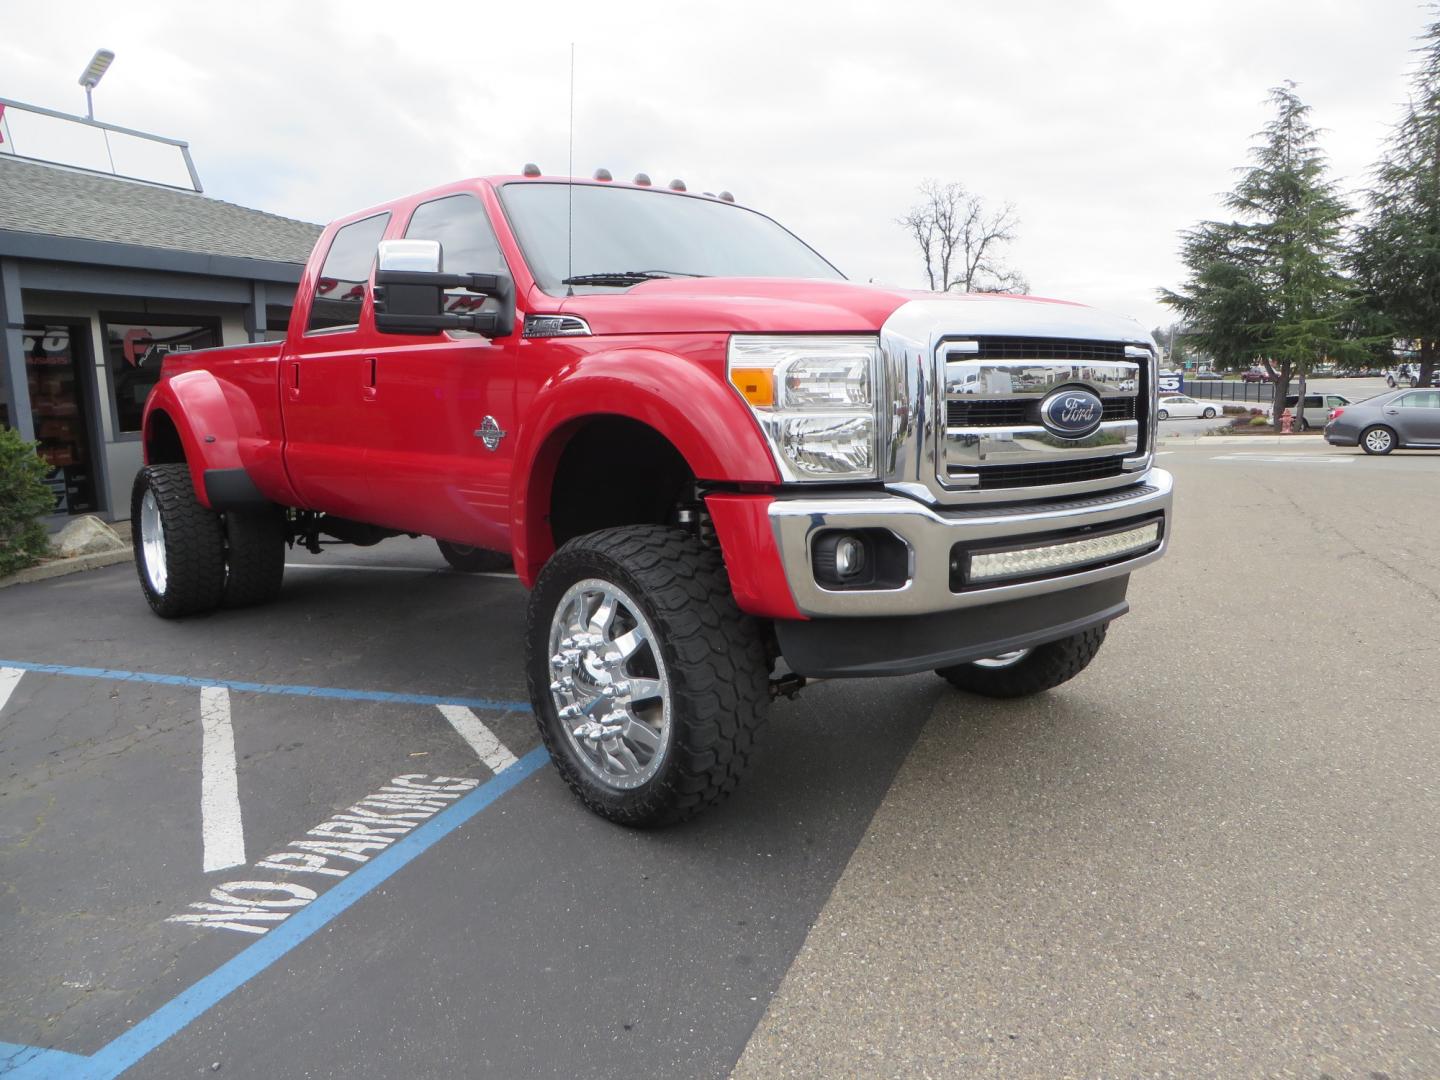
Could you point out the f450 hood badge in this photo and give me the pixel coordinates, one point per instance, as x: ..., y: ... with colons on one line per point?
x: 490, y: 433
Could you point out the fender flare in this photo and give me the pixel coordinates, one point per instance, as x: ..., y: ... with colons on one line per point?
x: 204, y: 416
x: 680, y: 399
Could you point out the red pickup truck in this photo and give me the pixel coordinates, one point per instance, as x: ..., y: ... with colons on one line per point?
x: 720, y: 468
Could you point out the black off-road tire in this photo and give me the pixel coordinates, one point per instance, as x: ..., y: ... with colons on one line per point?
x: 1043, y: 668
x: 714, y: 655
x: 474, y: 560
x: 194, y: 543
x: 254, y: 556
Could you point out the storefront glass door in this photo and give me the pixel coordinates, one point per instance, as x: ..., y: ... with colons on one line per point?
x: 55, y: 358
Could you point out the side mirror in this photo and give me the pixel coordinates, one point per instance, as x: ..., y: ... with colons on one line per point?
x: 410, y: 293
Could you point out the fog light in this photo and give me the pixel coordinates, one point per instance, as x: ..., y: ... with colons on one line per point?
x: 860, y: 559
x: 849, y: 556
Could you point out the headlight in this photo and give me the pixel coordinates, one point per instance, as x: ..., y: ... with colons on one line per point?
x: 815, y: 400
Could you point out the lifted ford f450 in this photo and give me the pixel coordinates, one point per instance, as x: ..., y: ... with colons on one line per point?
x: 720, y: 467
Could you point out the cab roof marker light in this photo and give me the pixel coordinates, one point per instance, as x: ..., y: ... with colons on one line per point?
x: 725, y: 196
x: 642, y: 179
x: 603, y: 174
x: 677, y: 185
x: 531, y: 169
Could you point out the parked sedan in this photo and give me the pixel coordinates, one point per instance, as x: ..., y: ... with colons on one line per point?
x: 1178, y: 406
x: 1398, y: 420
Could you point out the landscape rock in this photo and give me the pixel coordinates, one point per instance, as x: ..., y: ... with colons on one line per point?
x: 86, y: 535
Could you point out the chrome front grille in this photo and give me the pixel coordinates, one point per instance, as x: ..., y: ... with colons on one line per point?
x: 994, y: 436
x: 962, y: 384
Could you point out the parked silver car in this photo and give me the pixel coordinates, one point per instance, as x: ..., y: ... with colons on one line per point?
x: 1398, y: 420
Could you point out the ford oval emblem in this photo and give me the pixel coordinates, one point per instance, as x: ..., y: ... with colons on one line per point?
x: 1072, y: 413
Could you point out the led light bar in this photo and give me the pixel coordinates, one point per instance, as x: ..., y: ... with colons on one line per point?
x: 1068, y: 554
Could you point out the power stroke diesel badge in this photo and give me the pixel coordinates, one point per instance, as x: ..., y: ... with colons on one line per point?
x: 1072, y: 413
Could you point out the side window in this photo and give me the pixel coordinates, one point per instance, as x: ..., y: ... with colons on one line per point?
x: 467, y: 243
x: 1314, y: 401
x: 1334, y: 402
x: 1421, y: 399
x: 340, y: 289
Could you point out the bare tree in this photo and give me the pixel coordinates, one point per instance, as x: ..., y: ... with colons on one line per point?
x: 961, y: 240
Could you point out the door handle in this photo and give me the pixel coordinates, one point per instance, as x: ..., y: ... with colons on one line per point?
x: 294, y: 388
x: 367, y: 392
x: 1392, y: 412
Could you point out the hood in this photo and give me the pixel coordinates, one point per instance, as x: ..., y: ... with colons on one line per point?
x: 756, y: 305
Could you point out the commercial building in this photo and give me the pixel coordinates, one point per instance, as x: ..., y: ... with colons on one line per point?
x: 102, y: 275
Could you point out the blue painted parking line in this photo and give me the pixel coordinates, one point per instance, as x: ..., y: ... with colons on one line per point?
x: 267, y: 688
x: 172, y: 1017
x: 41, y: 1062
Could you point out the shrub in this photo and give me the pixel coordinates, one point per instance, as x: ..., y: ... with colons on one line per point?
x: 23, y: 499
x: 1259, y: 421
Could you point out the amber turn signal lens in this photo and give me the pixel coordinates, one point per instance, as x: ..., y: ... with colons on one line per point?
x: 756, y: 385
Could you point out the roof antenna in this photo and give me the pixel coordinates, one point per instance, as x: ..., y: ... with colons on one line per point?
x: 570, y: 185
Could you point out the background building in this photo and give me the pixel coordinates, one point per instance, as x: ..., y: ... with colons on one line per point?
x: 102, y: 275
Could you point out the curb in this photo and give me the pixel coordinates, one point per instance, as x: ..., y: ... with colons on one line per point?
x: 61, y: 567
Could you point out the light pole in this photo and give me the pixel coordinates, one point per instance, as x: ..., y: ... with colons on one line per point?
x: 90, y: 78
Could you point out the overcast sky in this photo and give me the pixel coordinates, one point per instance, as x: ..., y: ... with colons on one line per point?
x: 1110, y: 125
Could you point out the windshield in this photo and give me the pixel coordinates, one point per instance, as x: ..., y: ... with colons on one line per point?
x: 624, y: 236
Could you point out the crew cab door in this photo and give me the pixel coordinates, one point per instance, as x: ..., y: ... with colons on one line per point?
x: 441, y: 410
x: 324, y: 369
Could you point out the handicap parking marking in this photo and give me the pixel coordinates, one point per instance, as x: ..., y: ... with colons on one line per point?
x: 357, y: 847
x: 171, y: 1018
x: 221, y: 827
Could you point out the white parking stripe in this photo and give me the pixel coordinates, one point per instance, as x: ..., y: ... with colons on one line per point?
x: 9, y: 679
x: 481, y: 739
x: 219, y: 789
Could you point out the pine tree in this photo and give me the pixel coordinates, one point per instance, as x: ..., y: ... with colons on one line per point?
x: 1397, y: 249
x: 1269, y: 287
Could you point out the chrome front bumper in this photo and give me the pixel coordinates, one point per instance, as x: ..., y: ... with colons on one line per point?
x: 931, y: 534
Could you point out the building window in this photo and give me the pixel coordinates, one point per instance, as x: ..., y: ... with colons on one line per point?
x: 137, y: 346
x: 340, y: 289
x: 54, y: 359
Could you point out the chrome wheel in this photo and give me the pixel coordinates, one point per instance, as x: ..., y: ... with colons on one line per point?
x: 609, y: 684
x: 1377, y: 441
x: 1004, y: 660
x: 152, y: 542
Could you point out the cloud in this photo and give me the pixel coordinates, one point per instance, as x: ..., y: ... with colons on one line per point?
x: 1111, y: 125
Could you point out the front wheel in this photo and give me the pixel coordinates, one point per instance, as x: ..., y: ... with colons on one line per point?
x: 1208, y: 414
x: 1163, y: 414
x: 649, y: 684
x: 1027, y: 671
x: 473, y: 560
x: 179, y: 544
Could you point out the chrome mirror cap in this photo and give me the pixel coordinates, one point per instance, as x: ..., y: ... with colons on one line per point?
x: 422, y: 256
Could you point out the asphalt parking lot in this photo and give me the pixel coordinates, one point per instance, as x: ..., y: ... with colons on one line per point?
x: 318, y: 840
